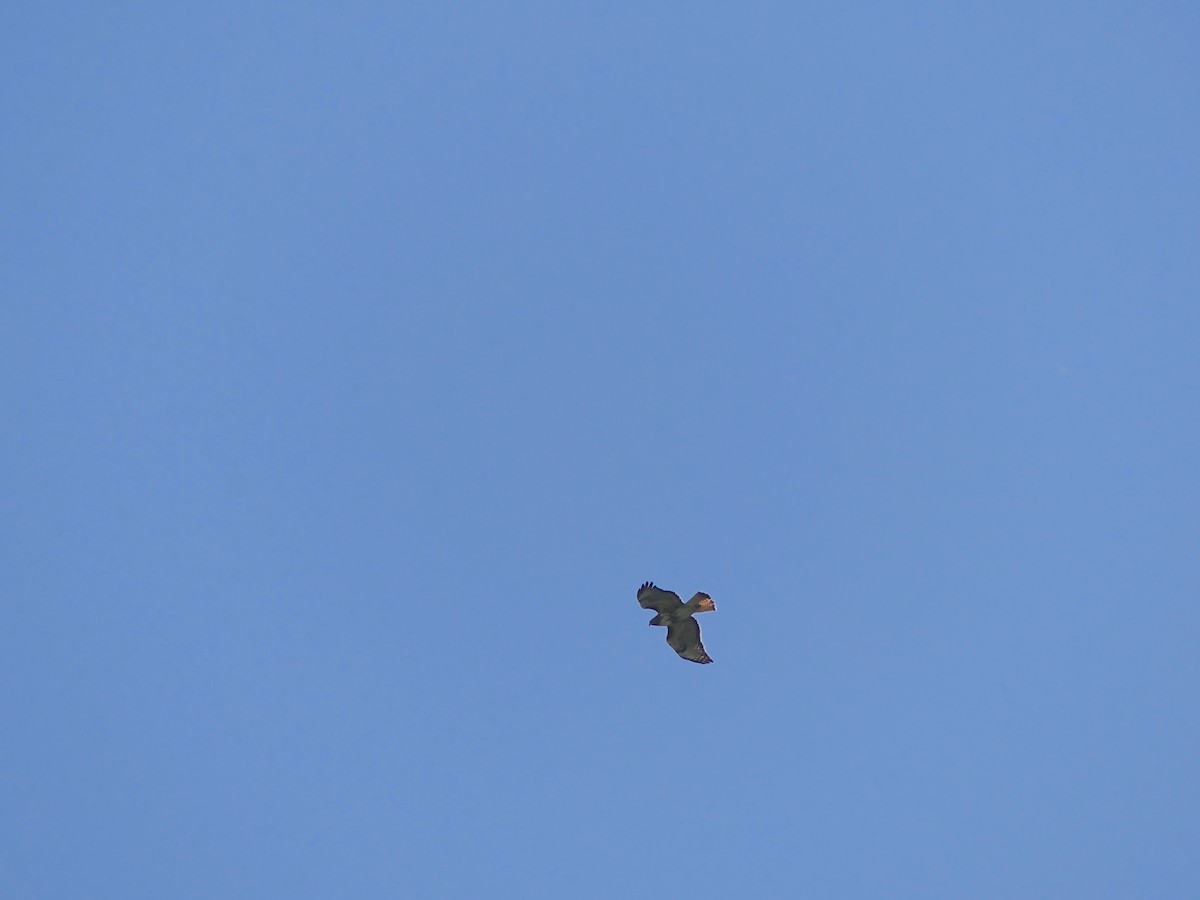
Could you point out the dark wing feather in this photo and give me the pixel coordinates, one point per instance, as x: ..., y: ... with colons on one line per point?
x: 657, y: 599
x: 684, y: 638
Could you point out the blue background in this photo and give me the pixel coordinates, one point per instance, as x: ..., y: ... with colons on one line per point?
x: 360, y: 360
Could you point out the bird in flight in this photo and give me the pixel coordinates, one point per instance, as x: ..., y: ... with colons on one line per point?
x: 683, y: 631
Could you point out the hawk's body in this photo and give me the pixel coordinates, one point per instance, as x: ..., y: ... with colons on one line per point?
x: 683, y: 632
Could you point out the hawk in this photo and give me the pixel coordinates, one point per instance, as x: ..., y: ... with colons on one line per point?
x: 683, y: 632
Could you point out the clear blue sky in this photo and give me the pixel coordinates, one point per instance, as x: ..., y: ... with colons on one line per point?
x: 360, y: 360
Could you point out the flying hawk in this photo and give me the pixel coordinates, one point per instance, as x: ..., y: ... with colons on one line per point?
x: 683, y: 632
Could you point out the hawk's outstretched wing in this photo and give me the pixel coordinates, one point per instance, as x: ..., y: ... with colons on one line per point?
x: 657, y: 599
x: 684, y: 638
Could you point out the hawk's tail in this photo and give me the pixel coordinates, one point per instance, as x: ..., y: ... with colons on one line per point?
x: 704, y: 603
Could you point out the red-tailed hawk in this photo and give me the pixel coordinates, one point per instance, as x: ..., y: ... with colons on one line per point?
x: 683, y: 632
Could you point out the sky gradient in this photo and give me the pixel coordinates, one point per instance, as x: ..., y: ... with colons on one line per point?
x: 360, y: 360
